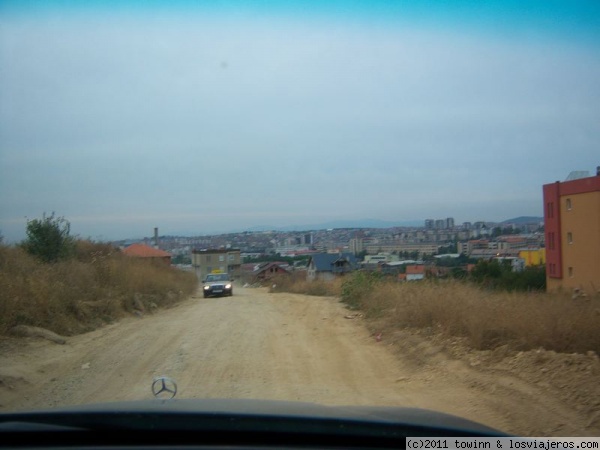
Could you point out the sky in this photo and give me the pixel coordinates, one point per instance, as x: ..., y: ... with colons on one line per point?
x: 125, y: 116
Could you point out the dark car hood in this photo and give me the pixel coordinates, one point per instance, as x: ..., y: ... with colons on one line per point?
x: 245, y: 415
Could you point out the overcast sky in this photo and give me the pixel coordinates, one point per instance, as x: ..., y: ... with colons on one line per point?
x: 200, y: 120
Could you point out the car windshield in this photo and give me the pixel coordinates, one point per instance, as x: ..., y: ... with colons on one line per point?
x: 221, y: 277
x: 402, y: 197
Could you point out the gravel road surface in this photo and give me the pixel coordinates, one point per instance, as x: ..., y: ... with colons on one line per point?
x: 267, y: 346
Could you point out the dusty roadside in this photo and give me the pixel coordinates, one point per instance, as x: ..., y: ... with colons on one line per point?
x: 280, y: 347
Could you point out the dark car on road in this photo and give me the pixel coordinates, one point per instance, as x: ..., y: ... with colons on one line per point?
x: 217, y: 284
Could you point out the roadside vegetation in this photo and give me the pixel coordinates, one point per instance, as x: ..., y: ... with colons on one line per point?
x: 487, y: 318
x: 71, y: 286
x: 296, y: 283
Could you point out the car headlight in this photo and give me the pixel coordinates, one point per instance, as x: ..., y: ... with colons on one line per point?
x: 206, y: 288
x: 228, y: 286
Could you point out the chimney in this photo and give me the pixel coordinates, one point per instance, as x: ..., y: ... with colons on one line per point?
x: 155, y: 237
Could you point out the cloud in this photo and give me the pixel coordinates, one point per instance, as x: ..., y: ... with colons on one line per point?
x: 201, y: 123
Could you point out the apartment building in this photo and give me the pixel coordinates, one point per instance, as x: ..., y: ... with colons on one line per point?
x: 572, y: 228
x: 467, y: 248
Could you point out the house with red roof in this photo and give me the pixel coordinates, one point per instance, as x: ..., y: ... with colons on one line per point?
x: 147, y: 252
x: 416, y: 272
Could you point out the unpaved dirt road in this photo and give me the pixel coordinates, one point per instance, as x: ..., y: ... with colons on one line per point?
x: 269, y: 346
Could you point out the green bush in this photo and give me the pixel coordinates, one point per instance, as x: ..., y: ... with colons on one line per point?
x: 48, y: 238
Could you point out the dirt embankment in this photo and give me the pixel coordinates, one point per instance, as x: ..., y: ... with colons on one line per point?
x: 295, y: 347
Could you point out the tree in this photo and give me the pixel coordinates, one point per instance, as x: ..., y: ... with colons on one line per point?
x: 450, y: 248
x: 495, y: 275
x: 48, y: 238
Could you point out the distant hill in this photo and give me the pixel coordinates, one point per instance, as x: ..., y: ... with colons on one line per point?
x: 358, y: 223
x: 524, y: 219
x: 348, y: 223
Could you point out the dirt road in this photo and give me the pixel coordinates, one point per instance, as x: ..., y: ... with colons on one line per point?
x: 269, y: 346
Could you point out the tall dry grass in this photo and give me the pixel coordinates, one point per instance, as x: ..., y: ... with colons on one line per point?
x: 296, y: 283
x: 487, y: 319
x: 521, y: 321
x: 96, y: 286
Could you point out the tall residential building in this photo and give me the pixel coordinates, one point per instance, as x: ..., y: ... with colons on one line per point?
x: 450, y: 222
x: 356, y: 245
x: 429, y: 224
x: 572, y: 228
x: 440, y: 224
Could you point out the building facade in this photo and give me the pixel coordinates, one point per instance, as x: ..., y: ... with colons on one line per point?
x: 572, y: 229
x: 216, y: 260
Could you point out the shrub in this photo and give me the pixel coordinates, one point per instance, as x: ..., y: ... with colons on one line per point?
x: 48, y: 238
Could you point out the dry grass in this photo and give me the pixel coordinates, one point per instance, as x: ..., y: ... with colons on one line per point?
x: 80, y: 294
x: 521, y: 321
x: 487, y: 319
x: 297, y: 284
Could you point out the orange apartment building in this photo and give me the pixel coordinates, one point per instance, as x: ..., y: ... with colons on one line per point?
x: 572, y: 228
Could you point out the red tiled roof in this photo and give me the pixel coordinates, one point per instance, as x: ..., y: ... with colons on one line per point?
x: 413, y: 270
x: 145, y: 251
x: 512, y: 239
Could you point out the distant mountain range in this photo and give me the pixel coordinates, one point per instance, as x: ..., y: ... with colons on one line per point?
x: 524, y: 219
x: 358, y: 223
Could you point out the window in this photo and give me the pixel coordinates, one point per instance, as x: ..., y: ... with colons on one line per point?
x: 569, y: 206
x: 570, y: 237
x: 571, y: 272
x: 207, y: 258
x: 550, y: 208
x: 221, y: 258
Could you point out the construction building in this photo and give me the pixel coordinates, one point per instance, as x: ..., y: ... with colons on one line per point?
x: 207, y: 261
